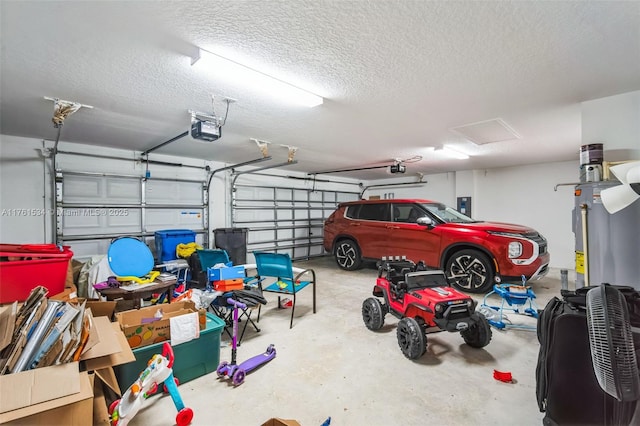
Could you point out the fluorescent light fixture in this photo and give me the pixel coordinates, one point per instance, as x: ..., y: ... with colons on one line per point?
x: 453, y: 153
x: 232, y: 71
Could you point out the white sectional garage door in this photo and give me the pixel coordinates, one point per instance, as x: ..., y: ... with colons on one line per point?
x: 94, y: 208
x: 285, y: 219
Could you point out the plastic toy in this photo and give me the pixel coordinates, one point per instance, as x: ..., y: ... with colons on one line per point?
x: 424, y: 303
x: 238, y: 372
x: 516, y: 297
x: 158, y: 371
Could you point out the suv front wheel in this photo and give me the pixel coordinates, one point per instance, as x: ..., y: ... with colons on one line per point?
x: 470, y: 270
x: 348, y: 255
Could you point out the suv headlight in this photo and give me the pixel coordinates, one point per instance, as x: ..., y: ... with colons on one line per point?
x: 515, y: 249
x: 439, y: 307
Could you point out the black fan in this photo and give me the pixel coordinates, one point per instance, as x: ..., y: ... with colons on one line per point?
x: 611, y: 341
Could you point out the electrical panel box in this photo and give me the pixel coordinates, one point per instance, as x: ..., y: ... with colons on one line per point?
x: 464, y: 205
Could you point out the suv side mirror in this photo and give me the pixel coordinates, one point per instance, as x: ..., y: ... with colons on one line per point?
x: 425, y: 220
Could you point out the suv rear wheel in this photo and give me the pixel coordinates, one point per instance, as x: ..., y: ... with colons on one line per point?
x: 411, y: 338
x: 470, y: 270
x: 348, y: 255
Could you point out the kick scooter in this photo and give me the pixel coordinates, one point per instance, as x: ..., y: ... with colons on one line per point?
x: 237, y: 372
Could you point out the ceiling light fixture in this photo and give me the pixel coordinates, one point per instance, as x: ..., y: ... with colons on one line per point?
x: 233, y: 71
x: 452, y: 153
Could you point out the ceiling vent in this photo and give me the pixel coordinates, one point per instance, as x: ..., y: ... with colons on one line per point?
x: 489, y: 131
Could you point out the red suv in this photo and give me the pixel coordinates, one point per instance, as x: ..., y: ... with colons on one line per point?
x: 473, y: 254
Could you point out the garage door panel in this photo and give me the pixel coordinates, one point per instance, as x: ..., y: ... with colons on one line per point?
x: 170, y: 192
x: 263, y: 235
x: 254, y: 193
x: 301, y: 214
x: 283, y: 194
x: 101, y: 190
x: 255, y: 215
x: 77, y: 189
x: 125, y: 191
x: 285, y: 214
x: 158, y: 219
x: 343, y: 197
x: 285, y: 234
x: 95, y: 221
x: 85, y: 249
x: 317, y: 251
x: 316, y: 196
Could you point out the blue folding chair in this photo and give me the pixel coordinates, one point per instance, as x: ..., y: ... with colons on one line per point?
x: 211, y: 257
x: 279, y: 266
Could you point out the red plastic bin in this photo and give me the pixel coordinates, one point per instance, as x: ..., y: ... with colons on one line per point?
x: 24, y: 267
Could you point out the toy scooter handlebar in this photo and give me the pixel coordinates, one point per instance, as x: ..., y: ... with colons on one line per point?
x: 167, y: 352
x: 237, y: 304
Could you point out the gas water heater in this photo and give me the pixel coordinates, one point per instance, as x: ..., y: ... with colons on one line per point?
x: 612, y: 250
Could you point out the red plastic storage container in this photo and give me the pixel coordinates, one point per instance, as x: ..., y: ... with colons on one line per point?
x: 24, y: 267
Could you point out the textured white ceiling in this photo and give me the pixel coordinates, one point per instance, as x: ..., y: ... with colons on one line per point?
x: 396, y: 75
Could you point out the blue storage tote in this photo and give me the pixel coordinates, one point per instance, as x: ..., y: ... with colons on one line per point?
x: 167, y: 241
x: 192, y: 359
x: 228, y: 273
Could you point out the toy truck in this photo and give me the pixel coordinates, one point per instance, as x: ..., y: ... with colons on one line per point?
x: 424, y: 303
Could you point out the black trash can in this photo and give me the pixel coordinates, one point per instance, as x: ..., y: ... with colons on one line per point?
x: 234, y: 241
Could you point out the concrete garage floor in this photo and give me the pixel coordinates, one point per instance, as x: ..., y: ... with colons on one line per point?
x: 330, y: 364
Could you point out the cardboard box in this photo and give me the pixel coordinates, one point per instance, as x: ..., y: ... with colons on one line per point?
x: 193, y: 359
x: 228, y: 285
x: 142, y: 327
x: 281, y: 422
x: 62, y: 392
x: 99, y: 308
x: 36, y: 386
x: 228, y: 273
x: 74, y: 409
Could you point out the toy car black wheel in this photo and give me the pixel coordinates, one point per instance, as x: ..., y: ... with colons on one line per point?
x: 373, y: 314
x: 479, y: 334
x: 347, y: 255
x: 470, y: 270
x: 411, y: 338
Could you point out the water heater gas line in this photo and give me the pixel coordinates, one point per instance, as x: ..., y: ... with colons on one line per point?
x: 585, y: 243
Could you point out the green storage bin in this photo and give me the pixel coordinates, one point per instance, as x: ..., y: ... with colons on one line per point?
x: 192, y: 359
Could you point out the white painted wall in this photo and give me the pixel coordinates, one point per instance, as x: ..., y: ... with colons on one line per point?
x: 24, y: 211
x: 615, y: 122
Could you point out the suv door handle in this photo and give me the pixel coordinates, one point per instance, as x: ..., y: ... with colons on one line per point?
x: 392, y: 227
x: 354, y: 224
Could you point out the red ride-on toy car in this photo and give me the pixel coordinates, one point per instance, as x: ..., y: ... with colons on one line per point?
x: 424, y: 303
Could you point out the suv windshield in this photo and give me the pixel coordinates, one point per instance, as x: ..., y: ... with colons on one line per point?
x: 446, y: 213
